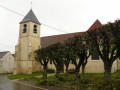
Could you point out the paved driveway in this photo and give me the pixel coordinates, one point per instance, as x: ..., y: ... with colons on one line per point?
x: 6, y: 84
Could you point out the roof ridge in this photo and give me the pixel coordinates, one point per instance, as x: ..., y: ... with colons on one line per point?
x: 62, y: 34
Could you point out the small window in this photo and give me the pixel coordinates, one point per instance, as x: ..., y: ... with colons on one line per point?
x: 35, y: 29
x: 24, y: 28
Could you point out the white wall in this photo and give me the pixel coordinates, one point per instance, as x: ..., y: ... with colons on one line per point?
x: 7, y: 63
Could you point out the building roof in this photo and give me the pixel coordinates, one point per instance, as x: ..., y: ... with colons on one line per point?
x: 3, y: 53
x: 49, y: 40
x: 96, y: 24
x: 30, y: 17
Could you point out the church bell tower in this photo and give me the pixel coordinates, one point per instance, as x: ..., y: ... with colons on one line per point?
x: 28, y: 42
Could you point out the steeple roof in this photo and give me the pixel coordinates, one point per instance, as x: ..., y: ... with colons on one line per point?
x: 30, y: 17
x: 96, y: 24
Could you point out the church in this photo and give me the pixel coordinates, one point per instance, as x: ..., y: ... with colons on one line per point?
x: 30, y: 40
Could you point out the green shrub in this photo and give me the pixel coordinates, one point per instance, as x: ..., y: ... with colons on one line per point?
x: 31, y: 78
x: 48, y: 82
x: 60, y: 78
x: 84, y: 81
x: 96, y: 82
x: 42, y: 82
x: 50, y: 70
x: 107, y: 84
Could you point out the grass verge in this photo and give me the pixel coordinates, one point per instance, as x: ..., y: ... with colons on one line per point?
x: 5, y: 73
x: 19, y: 76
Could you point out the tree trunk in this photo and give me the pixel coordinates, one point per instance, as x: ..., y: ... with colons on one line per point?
x: 57, y: 71
x: 107, y: 68
x: 44, y: 71
x: 83, y: 70
x: 66, y: 70
x: 77, y: 74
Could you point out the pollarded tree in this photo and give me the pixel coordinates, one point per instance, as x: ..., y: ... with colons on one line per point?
x: 67, y: 54
x: 103, y: 40
x: 80, y: 53
x: 41, y: 55
x: 115, y: 30
x: 74, y: 57
x: 86, y: 45
x: 56, y: 55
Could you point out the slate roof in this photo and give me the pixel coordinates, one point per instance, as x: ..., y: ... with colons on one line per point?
x: 49, y: 40
x: 3, y: 53
x: 30, y: 17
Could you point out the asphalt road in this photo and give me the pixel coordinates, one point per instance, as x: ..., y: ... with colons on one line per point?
x: 6, y: 84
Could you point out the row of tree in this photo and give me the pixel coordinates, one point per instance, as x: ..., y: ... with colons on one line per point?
x: 104, y: 41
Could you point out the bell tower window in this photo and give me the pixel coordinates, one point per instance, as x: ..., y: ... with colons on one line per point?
x: 24, y: 28
x: 35, y: 29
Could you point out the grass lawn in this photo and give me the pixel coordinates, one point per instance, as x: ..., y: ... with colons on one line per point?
x: 92, y: 81
x: 115, y: 74
x: 19, y: 76
x: 5, y: 73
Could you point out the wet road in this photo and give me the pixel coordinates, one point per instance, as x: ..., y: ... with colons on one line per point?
x: 10, y: 85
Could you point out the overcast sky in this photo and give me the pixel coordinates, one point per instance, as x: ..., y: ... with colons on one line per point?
x: 67, y: 15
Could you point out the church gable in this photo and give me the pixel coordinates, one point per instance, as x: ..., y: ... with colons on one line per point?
x: 96, y: 24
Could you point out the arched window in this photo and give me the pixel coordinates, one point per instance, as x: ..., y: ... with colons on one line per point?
x: 35, y: 29
x: 24, y: 28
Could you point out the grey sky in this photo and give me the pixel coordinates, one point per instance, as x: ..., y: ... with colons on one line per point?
x: 68, y: 15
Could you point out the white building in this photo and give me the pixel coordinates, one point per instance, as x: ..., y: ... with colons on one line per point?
x: 6, y: 62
